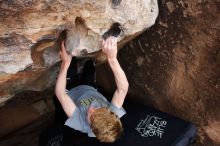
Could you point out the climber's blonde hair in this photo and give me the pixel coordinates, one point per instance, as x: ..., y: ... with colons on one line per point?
x: 106, y: 125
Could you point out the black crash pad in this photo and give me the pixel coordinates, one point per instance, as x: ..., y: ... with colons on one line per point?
x: 143, y: 126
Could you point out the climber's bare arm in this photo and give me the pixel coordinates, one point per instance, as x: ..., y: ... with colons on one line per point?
x: 66, y: 102
x: 109, y: 47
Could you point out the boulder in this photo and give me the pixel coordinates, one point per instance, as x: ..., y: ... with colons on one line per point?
x: 31, y: 33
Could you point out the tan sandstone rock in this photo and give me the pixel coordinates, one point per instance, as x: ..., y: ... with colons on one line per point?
x: 31, y: 33
x: 24, y: 24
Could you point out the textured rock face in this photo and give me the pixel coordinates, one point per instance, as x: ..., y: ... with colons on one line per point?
x: 38, y: 24
x: 175, y: 65
x: 31, y: 34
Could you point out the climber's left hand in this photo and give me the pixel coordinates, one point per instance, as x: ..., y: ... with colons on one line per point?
x: 66, y: 58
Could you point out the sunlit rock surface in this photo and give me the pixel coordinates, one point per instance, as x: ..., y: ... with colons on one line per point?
x: 25, y: 24
x: 31, y: 33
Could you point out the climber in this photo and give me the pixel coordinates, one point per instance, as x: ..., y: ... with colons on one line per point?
x: 88, y: 110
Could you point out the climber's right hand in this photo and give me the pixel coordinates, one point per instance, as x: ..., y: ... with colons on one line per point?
x: 109, y: 47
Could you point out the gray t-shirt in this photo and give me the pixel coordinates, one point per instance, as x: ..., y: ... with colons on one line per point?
x: 85, y: 96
